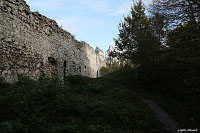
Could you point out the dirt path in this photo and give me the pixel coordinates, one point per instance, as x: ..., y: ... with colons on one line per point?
x: 164, y: 118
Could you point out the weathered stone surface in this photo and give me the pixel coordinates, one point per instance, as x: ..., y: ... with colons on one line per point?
x: 35, y: 45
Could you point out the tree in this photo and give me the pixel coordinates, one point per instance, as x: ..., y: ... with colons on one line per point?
x: 177, y: 71
x: 178, y: 11
x: 183, y: 17
x: 185, y: 38
x: 136, y: 41
x: 158, y: 25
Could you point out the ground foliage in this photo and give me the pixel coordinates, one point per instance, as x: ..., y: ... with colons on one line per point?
x: 80, y: 104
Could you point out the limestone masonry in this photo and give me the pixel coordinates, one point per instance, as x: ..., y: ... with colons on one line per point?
x: 34, y: 45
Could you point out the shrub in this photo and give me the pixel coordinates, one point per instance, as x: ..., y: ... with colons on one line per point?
x: 104, y: 71
x: 76, y: 80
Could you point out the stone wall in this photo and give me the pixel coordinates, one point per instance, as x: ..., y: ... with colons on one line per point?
x: 108, y: 59
x: 34, y: 45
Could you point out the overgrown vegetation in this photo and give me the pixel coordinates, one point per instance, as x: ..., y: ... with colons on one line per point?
x: 165, y: 52
x: 105, y: 70
x: 80, y: 104
x: 184, y: 110
x: 110, y: 68
x: 164, y: 47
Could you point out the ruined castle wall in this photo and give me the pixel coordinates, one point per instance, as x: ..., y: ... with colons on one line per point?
x: 97, y: 60
x: 35, y: 45
x: 100, y: 58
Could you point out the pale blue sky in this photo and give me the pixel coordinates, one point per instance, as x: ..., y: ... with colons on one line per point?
x: 93, y: 21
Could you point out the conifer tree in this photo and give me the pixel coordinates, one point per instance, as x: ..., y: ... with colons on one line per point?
x: 136, y: 42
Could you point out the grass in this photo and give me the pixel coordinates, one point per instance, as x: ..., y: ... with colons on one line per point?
x: 184, y: 111
x: 80, y: 104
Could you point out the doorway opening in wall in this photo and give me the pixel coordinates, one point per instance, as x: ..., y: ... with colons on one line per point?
x: 97, y: 74
x: 80, y: 69
x: 64, y: 68
x: 53, y: 65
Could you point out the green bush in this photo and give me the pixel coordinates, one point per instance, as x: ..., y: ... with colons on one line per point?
x: 104, y: 71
